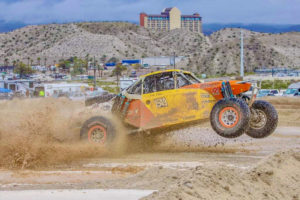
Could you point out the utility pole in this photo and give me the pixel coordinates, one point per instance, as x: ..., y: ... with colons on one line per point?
x: 174, y: 57
x: 94, y: 73
x: 242, y: 55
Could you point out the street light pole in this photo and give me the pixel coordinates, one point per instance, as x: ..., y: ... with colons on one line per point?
x: 242, y: 55
x: 174, y: 65
x: 94, y: 73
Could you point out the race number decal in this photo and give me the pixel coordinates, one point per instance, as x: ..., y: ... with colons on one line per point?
x: 215, y: 91
x: 161, y: 102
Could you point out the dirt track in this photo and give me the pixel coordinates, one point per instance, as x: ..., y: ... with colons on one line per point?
x: 168, y: 167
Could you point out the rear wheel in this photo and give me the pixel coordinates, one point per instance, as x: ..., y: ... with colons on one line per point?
x: 98, y: 130
x: 230, y: 117
x: 263, y: 121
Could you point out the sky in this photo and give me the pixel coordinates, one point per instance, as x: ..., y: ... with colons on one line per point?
x: 212, y: 11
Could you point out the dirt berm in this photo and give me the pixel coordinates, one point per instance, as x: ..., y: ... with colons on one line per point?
x: 276, y: 177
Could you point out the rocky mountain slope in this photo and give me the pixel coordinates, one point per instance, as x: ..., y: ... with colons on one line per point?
x: 217, y: 53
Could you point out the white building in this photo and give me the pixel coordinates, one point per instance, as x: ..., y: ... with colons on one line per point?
x: 17, y: 85
x: 58, y: 88
x: 125, y: 82
x: 161, y: 61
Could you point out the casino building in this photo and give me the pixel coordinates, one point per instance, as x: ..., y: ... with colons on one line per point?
x: 171, y: 18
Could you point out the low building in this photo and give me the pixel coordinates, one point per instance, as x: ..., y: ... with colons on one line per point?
x: 110, y: 64
x: 17, y: 85
x: 161, y: 61
x: 56, y: 89
x: 171, y: 18
x: 125, y: 82
x: 7, y: 69
x: 130, y: 62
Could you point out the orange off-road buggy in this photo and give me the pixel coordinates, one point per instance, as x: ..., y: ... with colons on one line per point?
x: 171, y: 98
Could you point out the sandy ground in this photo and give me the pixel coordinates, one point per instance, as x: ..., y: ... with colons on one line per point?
x: 159, y: 168
x: 91, y: 194
x: 193, y: 163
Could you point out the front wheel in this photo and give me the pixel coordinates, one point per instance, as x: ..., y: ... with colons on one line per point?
x: 230, y: 117
x: 98, y: 130
x: 263, y: 121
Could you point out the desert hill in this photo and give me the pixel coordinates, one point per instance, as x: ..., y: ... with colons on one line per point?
x: 217, y: 53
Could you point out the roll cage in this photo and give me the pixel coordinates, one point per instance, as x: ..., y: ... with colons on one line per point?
x: 165, y: 80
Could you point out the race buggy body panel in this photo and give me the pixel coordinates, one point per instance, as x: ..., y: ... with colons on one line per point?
x: 176, y: 99
x: 170, y: 97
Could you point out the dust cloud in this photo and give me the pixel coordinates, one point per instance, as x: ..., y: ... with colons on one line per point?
x: 41, y: 133
x: 38, y: 133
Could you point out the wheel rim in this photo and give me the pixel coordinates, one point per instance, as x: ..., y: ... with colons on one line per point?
x: 97, y: 134
x: 258, y: 120
x: 228, y: 117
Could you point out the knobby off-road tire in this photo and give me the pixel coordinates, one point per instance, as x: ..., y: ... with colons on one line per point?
x: 98, y: 130
x: 263, y: 120
x: 230, y: 117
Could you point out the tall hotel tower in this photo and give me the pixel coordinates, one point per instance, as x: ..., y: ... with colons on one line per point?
x: 171, y: 18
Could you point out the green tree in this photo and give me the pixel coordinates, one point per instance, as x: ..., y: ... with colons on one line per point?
x: 39, y: 61
x: 23, y: 69
x: 78, y: 65
x: 64, y: 65
x: 144, y: 55
x: 118, y: 71
x: 6, y: 62
x: 87, y: 63
x: 28, y: 60
x: 101, y: 68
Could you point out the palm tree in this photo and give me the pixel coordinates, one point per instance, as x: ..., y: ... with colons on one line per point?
x: 39, y: 61
x: 45, y: 61
x: 28, y: 60
x: 118, y: 71
x: 22, y: 69
x: 87, y: 63
x: 31, y: 61
x: 14, y: 63
x: 103, y: 59
x: 6, y: 61
x: 100, y: 70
